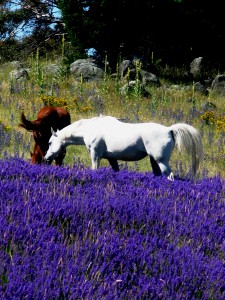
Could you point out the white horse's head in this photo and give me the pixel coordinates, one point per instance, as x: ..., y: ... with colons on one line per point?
x: 55, y: 146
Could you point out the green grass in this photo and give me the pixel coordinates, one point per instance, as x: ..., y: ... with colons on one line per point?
x: 167, y: 105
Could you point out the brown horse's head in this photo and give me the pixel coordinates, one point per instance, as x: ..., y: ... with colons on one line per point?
x: 41, y: 138
x: 37, y: 157
x: 48, y: 117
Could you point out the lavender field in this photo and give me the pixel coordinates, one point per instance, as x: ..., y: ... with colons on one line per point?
x: 73, y: 233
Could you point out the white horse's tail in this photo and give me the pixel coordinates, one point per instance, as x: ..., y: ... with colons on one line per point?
x: 188, y: 137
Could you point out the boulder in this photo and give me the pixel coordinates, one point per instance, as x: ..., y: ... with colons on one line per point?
x: 19, y: 74
x: 197, y: 68
x: 218, y: 85
x: 201, y: 89
x: 125, y: 66
x: 129, y: 88
x: 88, y: 68
x: 149, y: 78
x: 53, y: 69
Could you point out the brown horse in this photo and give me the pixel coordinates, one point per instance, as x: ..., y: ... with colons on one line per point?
x: 47, y: 118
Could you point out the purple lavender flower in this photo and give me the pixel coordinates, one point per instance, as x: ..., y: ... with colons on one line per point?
x: 74, y: 233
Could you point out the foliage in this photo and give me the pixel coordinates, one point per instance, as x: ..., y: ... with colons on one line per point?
x: 175, y: 31
x: 73, y: 233
x: 212, y: 118
x: 53, y: 101
x: 76, y: 25
x: 167, y: 104
x: 134, y: 28
x: 19, y: 15
x: 31, y: 25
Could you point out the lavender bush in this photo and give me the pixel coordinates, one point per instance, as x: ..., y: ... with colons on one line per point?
x: 74, y: 233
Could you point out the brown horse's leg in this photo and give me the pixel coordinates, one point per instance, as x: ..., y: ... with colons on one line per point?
x: 37, y: 156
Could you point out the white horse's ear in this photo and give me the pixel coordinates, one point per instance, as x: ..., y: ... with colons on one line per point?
x: 53, y: 132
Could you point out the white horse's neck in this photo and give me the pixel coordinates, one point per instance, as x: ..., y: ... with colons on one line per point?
x: 76, y: 132
x: 72, y: 134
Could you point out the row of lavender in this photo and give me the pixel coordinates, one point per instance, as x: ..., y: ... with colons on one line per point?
x: 73, y: 233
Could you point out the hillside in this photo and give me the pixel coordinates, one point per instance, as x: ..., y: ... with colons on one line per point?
x: 166, y: 104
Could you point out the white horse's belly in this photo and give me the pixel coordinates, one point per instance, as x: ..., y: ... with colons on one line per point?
x: 123, y: 147
x: 128, y: 154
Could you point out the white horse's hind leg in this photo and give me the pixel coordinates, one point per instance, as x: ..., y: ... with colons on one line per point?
x: 165, y: 168
x: 171, y: 176
x: 114, y: 164
x: 159, y: 168
x: 162, y: 155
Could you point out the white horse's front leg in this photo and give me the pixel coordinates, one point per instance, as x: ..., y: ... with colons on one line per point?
x: 95, y: 160
x: 95, y: 164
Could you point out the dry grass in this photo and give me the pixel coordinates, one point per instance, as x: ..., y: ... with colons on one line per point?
x: 167, y: 105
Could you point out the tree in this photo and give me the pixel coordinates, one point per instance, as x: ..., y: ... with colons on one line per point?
x: 176, y: 31
x: 111, y: 27
x: 18, y: 17
x: 120, y: 27
x: 205, y: 29
x: 76, y: 26
x: 27, y: 25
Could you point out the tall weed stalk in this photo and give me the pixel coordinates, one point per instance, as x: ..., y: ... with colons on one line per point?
x: 38, y: 74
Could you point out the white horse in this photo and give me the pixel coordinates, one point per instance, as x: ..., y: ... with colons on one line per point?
x: 107, y: 137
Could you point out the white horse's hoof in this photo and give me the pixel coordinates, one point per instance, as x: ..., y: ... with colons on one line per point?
x: 171, y: 176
